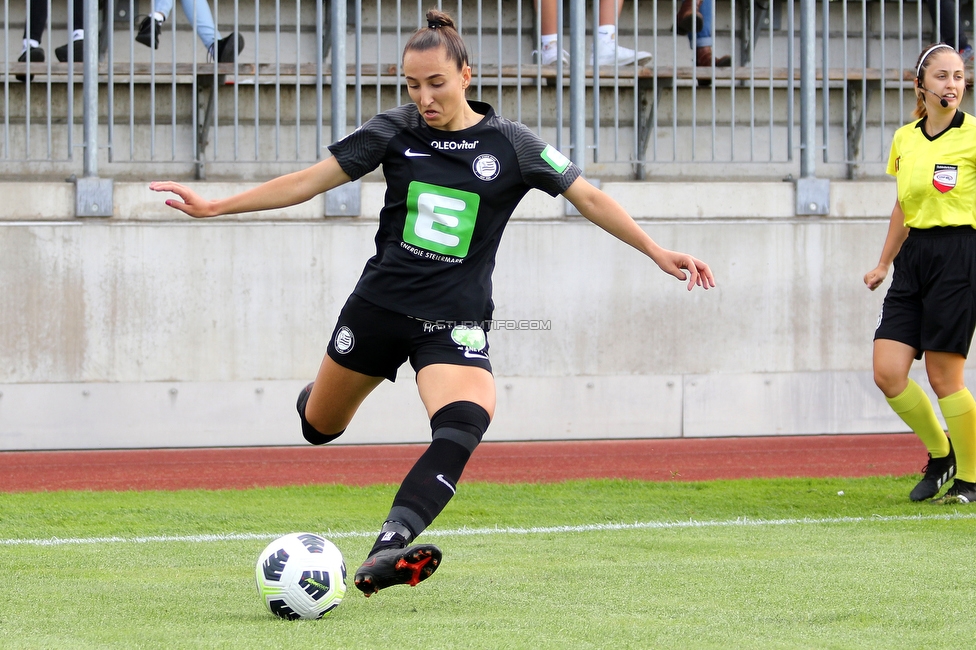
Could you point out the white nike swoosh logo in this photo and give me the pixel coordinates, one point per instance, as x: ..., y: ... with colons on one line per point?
x: 475, y: 355
x: 415, y: 154
x: 440, y: 477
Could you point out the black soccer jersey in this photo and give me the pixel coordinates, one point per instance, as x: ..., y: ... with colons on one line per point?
x: 449, y: 196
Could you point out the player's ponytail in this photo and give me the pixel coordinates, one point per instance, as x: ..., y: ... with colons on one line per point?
x: 440, y: 32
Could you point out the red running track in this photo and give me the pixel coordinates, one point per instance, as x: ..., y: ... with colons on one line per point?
x: 501, y: 462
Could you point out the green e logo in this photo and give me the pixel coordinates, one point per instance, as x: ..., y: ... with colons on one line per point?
x: 440, y: 219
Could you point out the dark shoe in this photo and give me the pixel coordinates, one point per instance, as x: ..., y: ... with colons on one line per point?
x: 225, y: 48
x: 149, y: 31
x: 937, y: 471
x: 688, y: 18
x: 397, y: 566
x: 78, y: 49
x: 961, y: 492
x: 703, y: 58
x: 36, y: 55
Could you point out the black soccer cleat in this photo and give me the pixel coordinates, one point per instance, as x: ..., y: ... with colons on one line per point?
x: 36, y: 55
x: 938, y: 471
x: 962, y: 492
x: 397, y: 566
x: 77, y: 50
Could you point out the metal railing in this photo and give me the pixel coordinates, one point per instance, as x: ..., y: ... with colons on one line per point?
x: 846, y: 63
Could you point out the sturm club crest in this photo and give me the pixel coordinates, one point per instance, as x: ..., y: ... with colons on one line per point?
x: 486, y: 167
x: 344, y: 340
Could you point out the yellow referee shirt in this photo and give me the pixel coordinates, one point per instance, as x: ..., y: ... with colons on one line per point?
x: 936, y: 176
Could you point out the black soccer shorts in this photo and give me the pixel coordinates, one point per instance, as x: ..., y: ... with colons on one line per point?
x: 375, y: 341
x: 931, y: 304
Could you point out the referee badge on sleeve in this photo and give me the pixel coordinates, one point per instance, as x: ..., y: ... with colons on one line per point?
x: 944, y: 177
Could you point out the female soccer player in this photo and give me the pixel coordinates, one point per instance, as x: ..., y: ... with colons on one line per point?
x: 930, y: 307
x: 455, y: 172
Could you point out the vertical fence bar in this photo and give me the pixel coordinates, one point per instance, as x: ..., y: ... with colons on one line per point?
x: 396, y: 52
x: 812, y: 194
x: 48, y: 120
x: 90, y: 88
x: 595, y: 12
x: 319, y: 73
x: 358, y: 20
x: 257, y: 81
x: 277, y: 80
x: 110, y: 89
x: 770, y: 85
x: 862, y: 127
x: 825, y: 54
x: 791, y: 77
x: 479, y: 50
x: 845, y: 92
x: 93, y: 196
x: 538, y: 67
x: 338, y: 70
x: 132, y: 82
x: 577, y: 86
x: 901, y: 61
x: 674, y: 86
x: 379, y: 55
x: 808, y: 89
x: 883, y: 67
x: 518, y: 60
x: 298, y: 80
x: 752, y: 81
x: 498, y: 41
x: 194, y: 93
x: 732, y: 86
x: 71, y: 85
x: 5, y: 150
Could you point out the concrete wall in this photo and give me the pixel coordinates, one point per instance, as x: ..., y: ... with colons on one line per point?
x: 148, y: 329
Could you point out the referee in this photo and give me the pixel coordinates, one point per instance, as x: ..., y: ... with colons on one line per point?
x: 930, y: 307
x: 455, y: 171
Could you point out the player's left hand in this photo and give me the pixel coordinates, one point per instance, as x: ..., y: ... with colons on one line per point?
x: 192, y: 204
x: 686, y: 267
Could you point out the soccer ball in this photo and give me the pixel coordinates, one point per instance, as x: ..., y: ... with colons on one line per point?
x: 301, y: 575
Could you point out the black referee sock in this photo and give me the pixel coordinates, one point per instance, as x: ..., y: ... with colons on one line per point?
x: 432, y: 482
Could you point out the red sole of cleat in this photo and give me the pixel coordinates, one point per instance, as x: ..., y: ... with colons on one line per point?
x: 416, y: 568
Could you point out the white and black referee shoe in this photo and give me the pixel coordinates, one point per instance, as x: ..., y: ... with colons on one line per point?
x: 938, y: 471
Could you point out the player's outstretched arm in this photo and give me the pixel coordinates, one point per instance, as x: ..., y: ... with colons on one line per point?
x: 897, y: 234
x: 281, y: 192
x: 601, y: 209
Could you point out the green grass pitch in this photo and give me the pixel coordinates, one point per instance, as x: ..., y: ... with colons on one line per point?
x: 785, y: 563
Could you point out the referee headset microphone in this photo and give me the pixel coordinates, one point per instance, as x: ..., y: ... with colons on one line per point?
x: 942, y: 100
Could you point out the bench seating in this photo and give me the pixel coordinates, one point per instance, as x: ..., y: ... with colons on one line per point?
x: 650, y: 81
x: 528, y: 73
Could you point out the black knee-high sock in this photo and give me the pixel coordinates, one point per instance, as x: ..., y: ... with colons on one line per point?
x: 456, y: 430
x: 38, y: 20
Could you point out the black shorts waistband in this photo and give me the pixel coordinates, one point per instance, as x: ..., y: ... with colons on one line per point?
x: 943, y: 231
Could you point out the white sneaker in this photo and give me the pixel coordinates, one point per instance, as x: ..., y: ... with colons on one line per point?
x: 613, y: 54
x: 549, y: 54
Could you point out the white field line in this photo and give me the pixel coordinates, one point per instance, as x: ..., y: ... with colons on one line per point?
x: 467, y: 532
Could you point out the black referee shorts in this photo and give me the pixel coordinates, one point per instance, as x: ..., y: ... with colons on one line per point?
x: 931, y: 304
x: 375, y: 341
